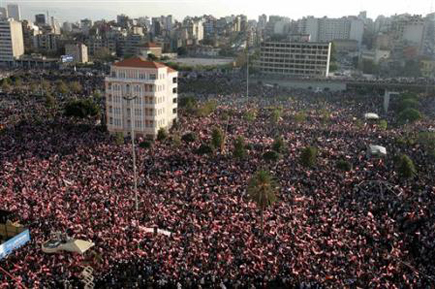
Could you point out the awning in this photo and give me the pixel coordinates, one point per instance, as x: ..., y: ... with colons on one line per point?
x: 78, y: 246
x: 377, y: 150
x: 371, y: 116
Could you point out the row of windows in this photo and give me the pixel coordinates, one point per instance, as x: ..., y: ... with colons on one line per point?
x: 138, y: 100
x: 301, y: 67
x: 290, y: 62
x: 300, y: 72
x: 135, y: 88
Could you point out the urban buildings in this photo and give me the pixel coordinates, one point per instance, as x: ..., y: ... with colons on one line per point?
x: 11, y: 41
x: 295, y: 58
x: 40, y: 19
x: 14, y: 12
x: 78, y: 51
x: 153, y: 86
x: 3, y: 13
x: 328, y: 29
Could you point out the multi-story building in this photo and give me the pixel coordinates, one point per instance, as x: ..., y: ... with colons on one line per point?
x: 295, y: 58
x: 78, y: 51
x: 14, y: 12
x: 153, y: 86
x: 11, y: 41
x: 330, y: 29
x: 40, y: 19
x: 46, y: 42
x: 3, y: 13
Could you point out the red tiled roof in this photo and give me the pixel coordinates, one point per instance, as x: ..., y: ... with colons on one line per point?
x: 170, y: 69
x: 152, y: 44
x: 138, y: 62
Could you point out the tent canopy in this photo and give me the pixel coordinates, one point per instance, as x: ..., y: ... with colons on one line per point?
x: 377, y: 150
x: 371, y: 116
x: 78, y: 246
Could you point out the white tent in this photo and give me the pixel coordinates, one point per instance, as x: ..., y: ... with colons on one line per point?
x: 371, y: 116
x: 376, y: 150
x: 72, y: 245
x: 78, y: 246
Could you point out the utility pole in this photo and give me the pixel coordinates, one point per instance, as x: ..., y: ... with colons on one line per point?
x: 136, y: 200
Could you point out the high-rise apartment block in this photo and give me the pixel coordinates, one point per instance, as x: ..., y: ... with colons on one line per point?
x: 11, y: 41
x: 14, y: 12
x: 153, y: 87
x: 295, y: 58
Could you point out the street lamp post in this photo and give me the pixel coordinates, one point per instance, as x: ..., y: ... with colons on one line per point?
x: 136, y: 200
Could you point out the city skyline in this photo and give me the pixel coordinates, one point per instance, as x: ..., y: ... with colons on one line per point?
x: 66, y: 10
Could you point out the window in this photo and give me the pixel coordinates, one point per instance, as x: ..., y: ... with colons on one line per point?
x: 138, y: 123
x: 174, y: 90
x: 152, y: 76
x: 142, y: 76
x: 137, y: 112
x: 174, y: 80
x: 111, y: 120
x: 113, y: 74
x: 174, y: 110
x: 174, y: 100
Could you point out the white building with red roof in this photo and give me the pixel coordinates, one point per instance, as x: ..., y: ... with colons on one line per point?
x: 152, y: 86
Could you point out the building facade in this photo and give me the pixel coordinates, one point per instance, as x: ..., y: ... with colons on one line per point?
x: 307, y: 59
x: 14, y: 12
x: 78, y: 51
x: 11, y: 41
x: 153, y: 86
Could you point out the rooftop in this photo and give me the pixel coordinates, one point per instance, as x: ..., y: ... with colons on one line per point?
x: 138, y: 62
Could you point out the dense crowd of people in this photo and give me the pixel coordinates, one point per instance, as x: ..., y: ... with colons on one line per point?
x: 329, y: 228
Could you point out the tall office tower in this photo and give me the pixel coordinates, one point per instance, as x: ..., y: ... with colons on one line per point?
x: 11, y: 40
x: 14, y: 12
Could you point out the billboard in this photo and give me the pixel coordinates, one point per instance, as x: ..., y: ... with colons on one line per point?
x: 66, y: 58
x: 19, y: 240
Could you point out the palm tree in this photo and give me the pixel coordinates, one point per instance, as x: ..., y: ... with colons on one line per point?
x: 261, y: 189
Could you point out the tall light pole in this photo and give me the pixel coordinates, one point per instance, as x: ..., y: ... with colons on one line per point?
x: 136, y: 199
x: 247, y: 68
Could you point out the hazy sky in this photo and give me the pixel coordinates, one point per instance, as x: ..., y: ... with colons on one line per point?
x: 73, y: 10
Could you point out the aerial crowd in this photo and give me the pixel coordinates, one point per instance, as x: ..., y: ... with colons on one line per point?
x: 364, y: 227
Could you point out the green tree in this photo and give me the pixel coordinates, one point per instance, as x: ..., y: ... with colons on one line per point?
x: 50, y: 101
x: 275, y: 116
x: 271, y: 156
x: 75, y: 87
x: 344, y: 165
x: 6, y: 87
x: 207, y: 108
x: 409, y: 115
x: 119, y: 138
x: 239, y: 148
x: 308, y: 156
x: 176, y: 140
x: 407, y: 103
x: 82, y: 108
x: 188, y: 137
x: 300, y: 116
x: 383, y: 125
x: 278, y: 144
x: 162, y: 134
x: 46, y: 86
x: 152, y: 57
x: 204, y: 149
x: 218, y: 139
x: 405, y: 167
x: 250, y: 115
x: 146, y: 144
x: 262, y: 190
x: 62, y: 87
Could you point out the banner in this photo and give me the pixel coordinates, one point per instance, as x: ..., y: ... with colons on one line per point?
x: 19, y: 240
